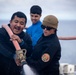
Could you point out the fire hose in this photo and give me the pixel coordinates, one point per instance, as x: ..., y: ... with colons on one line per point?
x: 21, y: 53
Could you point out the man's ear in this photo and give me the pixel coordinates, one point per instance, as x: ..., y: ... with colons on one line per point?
x: 24, y: 26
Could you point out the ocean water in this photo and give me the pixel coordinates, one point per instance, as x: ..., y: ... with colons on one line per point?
x: 65, y: 28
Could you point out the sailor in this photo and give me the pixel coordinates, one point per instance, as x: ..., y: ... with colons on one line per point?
x: 8, y: 64
x: 47, y: 52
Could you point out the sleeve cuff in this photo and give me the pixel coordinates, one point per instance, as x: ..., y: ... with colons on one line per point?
x: 21, y: 42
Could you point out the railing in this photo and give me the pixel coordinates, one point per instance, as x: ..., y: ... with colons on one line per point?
x: 67, y: 38
x: 64, y: 38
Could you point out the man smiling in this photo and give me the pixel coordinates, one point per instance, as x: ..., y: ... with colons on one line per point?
x: 8, y: 65
x: 35, y: 30
x: 47, y: 52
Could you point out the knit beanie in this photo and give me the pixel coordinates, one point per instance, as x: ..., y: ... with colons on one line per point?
x: 35, y: 9
x: 50, y: 21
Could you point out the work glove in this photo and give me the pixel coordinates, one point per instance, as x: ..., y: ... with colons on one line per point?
x: 21, y: 56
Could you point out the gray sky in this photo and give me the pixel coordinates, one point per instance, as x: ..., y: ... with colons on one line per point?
x: 63, y: 9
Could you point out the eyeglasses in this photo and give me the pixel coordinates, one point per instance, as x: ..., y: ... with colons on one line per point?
x: 48, y: 28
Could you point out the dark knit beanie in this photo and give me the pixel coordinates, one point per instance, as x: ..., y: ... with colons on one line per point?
x: 50, y: 21
x: 35, y: 9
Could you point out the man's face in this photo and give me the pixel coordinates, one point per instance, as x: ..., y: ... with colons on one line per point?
x: 17, y: 25
x: 35, y: 18
x: 48, y: 32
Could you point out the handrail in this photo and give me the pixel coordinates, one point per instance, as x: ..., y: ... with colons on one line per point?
x: 64, y: 38
x: 67, y: 38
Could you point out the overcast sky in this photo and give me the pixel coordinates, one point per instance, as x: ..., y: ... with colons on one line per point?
x: 63, y: 9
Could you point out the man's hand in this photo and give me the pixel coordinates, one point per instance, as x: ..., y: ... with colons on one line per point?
x: 15, y: 37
